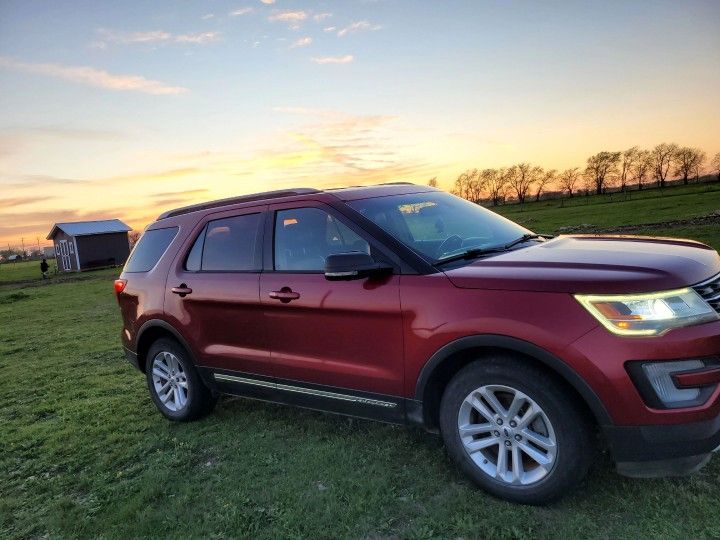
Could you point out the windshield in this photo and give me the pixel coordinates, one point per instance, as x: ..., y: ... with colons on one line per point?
x: 438, y: 225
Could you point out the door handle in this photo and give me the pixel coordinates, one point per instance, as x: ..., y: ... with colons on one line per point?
x: 285, y: 295
x: 182, y: 290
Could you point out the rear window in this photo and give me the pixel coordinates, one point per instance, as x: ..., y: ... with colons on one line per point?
x: 149, y: 249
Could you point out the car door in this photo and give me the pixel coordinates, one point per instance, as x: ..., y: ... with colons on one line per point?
x: 343, y: 335
x: 213, y: 292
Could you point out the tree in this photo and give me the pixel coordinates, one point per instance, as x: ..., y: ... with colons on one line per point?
x: 469, y: 186
x: 433, y: 182
x: 521, y: 178
x: 544, y: 179
x: 600, y: 167
x: 663, y: 156
x: 495, y: 183
x: 641, y: 167
x: 133, y: 237
x: 715, y: 165
x: 688, y: 161
x: 569, y: 179
x: 627, y: 162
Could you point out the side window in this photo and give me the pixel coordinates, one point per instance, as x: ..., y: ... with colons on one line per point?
x: 304, y: 237
x: 149, y: 249
x: 226, y: 245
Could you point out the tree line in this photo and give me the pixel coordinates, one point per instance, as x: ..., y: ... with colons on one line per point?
x: 604, y: 170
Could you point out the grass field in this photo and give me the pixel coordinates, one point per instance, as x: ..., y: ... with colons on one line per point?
x: 83, y: 453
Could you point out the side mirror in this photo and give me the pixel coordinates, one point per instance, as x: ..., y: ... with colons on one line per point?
x: 353, y: 265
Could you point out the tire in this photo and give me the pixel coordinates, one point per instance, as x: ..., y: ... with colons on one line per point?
x: 543, y: 460
x: 185, y: 397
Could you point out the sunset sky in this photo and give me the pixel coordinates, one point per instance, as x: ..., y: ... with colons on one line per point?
x: 125, y: 109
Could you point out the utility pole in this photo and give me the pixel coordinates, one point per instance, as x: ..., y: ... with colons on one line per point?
x: 22, y: 241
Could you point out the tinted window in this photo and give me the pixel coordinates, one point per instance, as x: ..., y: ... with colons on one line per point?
x: 304, y: 237
x: 229, y: 244
x: 149, y: 249
x: 194, y: 258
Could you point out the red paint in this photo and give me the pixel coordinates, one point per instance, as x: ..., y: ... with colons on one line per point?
x: 376, y: 335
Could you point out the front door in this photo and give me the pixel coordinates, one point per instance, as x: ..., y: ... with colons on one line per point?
x: 64, y: 256
x: 338, y: 334
x: 212, y: 293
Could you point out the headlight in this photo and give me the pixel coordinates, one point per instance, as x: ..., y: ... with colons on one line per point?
x: 648, y: 314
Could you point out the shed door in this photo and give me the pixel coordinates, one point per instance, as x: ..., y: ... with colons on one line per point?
x: 64, y: 252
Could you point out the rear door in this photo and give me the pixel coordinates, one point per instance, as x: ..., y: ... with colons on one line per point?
x: 343, y: 335
x: 213, y: 292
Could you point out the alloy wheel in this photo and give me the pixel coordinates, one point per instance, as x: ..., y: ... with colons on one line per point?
x: 507, y: 435
x: 170, y: 381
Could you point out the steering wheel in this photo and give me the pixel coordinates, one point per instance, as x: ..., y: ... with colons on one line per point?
x: 451, y: 243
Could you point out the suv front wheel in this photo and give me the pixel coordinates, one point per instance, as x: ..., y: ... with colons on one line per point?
x: 175, y: 386
x: 515, y: 431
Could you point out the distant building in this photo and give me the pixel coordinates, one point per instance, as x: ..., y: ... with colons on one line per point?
x: 83, y: 245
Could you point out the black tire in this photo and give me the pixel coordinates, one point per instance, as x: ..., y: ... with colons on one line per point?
x: 200, y: 400
x: 571, y: 427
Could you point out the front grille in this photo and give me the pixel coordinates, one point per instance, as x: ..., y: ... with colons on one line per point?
x: 710, y: 291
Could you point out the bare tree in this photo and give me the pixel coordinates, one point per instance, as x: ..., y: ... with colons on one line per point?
x: 688, y: 161
x: 663, y: 156
x: 133, y: 237
x: 545, y: 179
x: 469, y: 186
x: 600, y: 168
x: 715, y: 165
x: 522, y: 178
x: 495, y: 183
x: 627, y: 162
x: 642, y: 167
x: 569, y: 179
x: 433, y: 182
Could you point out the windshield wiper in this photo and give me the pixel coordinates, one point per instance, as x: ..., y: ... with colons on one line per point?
x: 470, y: 254
x: 477, y: 252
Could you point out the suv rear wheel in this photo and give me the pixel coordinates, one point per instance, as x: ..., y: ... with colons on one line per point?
x: 515, y: 431
x: 175, y: 386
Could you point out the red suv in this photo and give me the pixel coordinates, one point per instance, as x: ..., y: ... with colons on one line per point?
x: 405, y: 304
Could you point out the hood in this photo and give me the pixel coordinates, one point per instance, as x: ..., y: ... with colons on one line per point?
x: 593, y: 264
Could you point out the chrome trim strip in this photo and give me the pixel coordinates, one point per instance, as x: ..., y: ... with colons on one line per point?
x: 301, y: 390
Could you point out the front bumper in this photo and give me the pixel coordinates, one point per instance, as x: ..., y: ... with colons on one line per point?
x: 663, y: 450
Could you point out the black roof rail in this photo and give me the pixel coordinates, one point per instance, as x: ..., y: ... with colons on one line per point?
x: 236, y: 200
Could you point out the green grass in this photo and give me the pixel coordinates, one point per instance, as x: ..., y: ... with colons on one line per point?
x: 22, y: 271
x: 83, y: 453
x: 647, y: 206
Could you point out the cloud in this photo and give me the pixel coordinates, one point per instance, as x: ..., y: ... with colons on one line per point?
x: 268, y: 2
x: 346, y: 59
x: 199, y: 38
x: 94, y: 77
x: 329, y: 29
x: 358, y: 26
x: 302, y: 42
x: 207, y: 16
x: 19, y: 201
x: 288, y: 16
x: 114, y: 36
x: 154, y: 36
x: 321, y: 16
x: 241, y: 11
x: 180, y: 194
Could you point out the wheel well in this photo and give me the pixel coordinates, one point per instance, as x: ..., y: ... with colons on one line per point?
x: 147, y: 338
x: 446, y: 370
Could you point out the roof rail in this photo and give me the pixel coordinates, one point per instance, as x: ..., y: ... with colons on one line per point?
x: 236, y: 200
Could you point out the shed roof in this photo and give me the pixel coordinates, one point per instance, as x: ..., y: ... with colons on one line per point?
x: 85, y: 228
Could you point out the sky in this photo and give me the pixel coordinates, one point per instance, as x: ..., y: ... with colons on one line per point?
x: 126, y: 109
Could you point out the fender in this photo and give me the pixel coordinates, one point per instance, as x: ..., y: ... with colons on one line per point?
x: 159, y: 323
x: 524, y: 347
